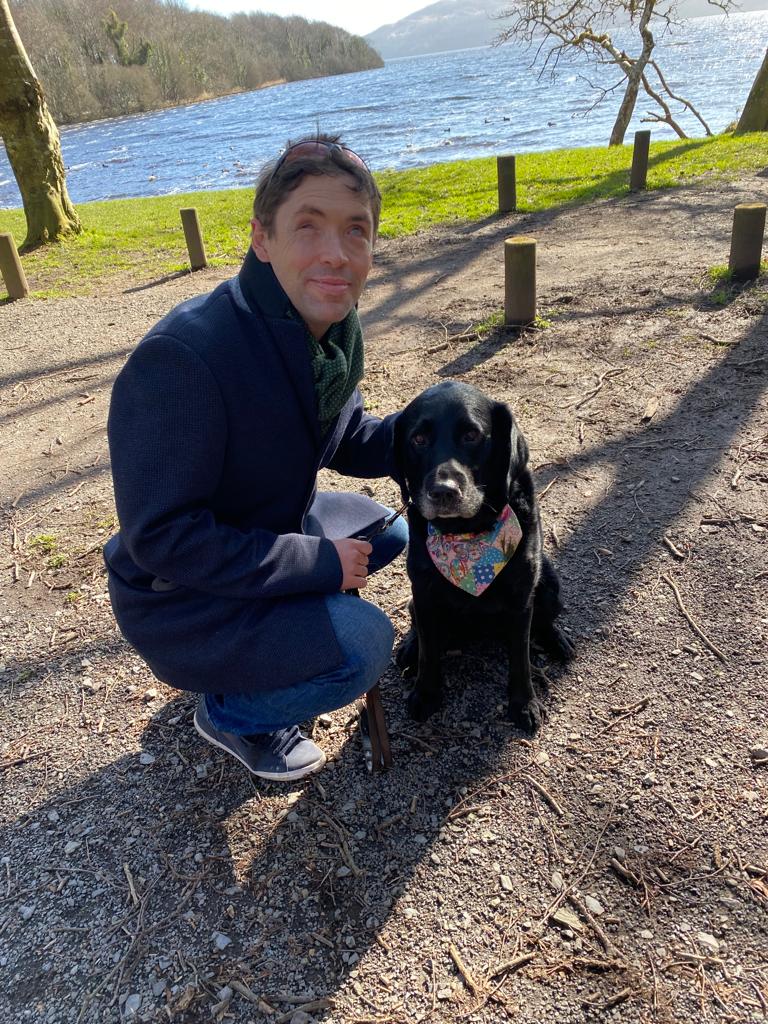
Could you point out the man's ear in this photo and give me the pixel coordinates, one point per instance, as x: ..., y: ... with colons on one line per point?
x: 260, y: 240
x: 509, y: 452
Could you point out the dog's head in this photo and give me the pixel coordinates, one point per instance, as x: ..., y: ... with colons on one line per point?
x: 457, y: 453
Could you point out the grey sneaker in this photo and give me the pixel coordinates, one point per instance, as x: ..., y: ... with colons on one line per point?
x: 280, y: 756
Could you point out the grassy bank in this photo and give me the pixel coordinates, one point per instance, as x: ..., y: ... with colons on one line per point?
x: 139, y: 240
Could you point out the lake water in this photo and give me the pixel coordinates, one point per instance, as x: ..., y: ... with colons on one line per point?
x: 411, y: 112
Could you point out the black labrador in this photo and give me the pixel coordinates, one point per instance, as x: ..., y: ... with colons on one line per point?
x: 463, y: 464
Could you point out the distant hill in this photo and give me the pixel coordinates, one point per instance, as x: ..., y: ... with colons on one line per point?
x: 457, y: 24
x: 103, y: 58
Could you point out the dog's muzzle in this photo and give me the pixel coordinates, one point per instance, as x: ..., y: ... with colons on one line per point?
x: 449, y: 493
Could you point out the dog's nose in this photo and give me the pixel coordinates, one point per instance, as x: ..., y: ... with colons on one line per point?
x: 442, y: 489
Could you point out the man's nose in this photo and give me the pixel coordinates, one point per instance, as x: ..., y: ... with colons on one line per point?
x: 333, y: 252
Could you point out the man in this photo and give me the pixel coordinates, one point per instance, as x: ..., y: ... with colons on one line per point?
x: 229, y: 572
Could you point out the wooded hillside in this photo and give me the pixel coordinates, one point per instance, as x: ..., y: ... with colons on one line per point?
x: 100, y: 59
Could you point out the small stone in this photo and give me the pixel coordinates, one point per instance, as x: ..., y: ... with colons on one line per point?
x: 132, y: 1005
x: 410, y: 913
x: 709, y: 941
x: 557, y: 881
x: 759, y: 755
x: 53, y: 816
x: 72, y: 845
x: 149, y: 695
x: 594, y: 906
x: 541, y: 757
x: 619, y: 853
x: 343, y: 871
x: 420, y: 840
x: 26, y: 912
x: 567, y: 919
x: 220, y: 940
x: 147, y: 758
x: 158, y: 987
x: 646, y: 934
x: 649, y: 780
x: 300, y: 1017
x: 435, y: 858
x: 506, y: 883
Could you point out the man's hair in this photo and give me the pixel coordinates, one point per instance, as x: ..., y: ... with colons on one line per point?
x: 277, y: 180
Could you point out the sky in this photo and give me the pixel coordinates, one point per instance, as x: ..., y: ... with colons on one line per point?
x: 353, y: 15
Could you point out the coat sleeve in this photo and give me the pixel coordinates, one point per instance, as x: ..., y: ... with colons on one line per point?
x: 365, y: 449
x: 167, y: 438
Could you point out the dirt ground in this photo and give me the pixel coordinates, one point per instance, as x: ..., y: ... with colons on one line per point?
x: 613, y: 869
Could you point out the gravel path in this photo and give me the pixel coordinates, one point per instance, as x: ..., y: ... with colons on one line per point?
x: 615, y: 868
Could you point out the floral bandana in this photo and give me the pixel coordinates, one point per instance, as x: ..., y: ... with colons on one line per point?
x: 472, y: 561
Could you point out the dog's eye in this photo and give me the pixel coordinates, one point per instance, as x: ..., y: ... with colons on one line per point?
x: 418, y: 440
x: 471, y: 436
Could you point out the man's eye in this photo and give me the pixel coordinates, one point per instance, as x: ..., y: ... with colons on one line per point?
x: 419, y: 440
x: 471, y: 436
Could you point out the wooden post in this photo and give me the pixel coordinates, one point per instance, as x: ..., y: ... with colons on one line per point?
x: 11, y: 268
x: 507, y: 183
x: 639, y: 171
x: 747, y: 240
x: 519, y: 280
x: 192, y: 234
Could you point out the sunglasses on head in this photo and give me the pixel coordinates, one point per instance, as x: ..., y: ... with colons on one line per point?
x: 316, y: 149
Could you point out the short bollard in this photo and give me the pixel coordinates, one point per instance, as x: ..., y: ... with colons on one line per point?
x: 639, y: 172
x: 11, y: 269
x: 192, y: 234
x: 747, y: 241
x: 507, y: 183
x: 519, y: 281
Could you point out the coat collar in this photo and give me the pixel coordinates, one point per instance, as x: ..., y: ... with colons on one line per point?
x: 265, y: 298
x: 262, y: 291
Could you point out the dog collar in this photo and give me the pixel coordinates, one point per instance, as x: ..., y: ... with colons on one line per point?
x: 472, y: 561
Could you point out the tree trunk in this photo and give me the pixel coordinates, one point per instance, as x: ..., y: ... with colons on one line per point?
x: 32, y: 142
x: 634, y: 77
x: 754, y: 116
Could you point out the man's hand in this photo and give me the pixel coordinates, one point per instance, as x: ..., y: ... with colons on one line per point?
x: 353, y: 555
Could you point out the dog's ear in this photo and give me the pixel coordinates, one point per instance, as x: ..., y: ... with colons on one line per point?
x: 509, y: 452
x: 398, y: 456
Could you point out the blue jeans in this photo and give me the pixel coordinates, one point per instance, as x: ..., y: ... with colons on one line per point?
x: 365, y: 636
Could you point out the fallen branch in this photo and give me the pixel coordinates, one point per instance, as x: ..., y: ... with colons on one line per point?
x: 694, y: 626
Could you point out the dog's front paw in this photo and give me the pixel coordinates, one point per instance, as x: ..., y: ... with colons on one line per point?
x: 407, y: 654
x: 527, y: 717
x: 422, y: 706
x: 560, y: 647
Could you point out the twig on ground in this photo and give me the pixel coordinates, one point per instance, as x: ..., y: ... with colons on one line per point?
x: 512, y: 965
x: 694, y: 626
x: 673, y: 548
x: 624, y: 713
x: 545, y: 794
x: 463, y: 970
x: 600, y: 382
x: 619, y: 997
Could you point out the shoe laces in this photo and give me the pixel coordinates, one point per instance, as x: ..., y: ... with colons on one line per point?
x: 281, y: 742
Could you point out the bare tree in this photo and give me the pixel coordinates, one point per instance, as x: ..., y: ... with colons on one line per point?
x: 563, y: 30
x: 32, y: 142
x: 754, y: 116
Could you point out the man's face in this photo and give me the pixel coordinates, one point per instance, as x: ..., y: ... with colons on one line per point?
x: 320, y: 247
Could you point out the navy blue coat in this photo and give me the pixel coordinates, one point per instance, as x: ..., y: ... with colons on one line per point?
x: 217, y: 575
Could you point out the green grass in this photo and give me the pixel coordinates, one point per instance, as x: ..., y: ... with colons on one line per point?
x: 140, y: 240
